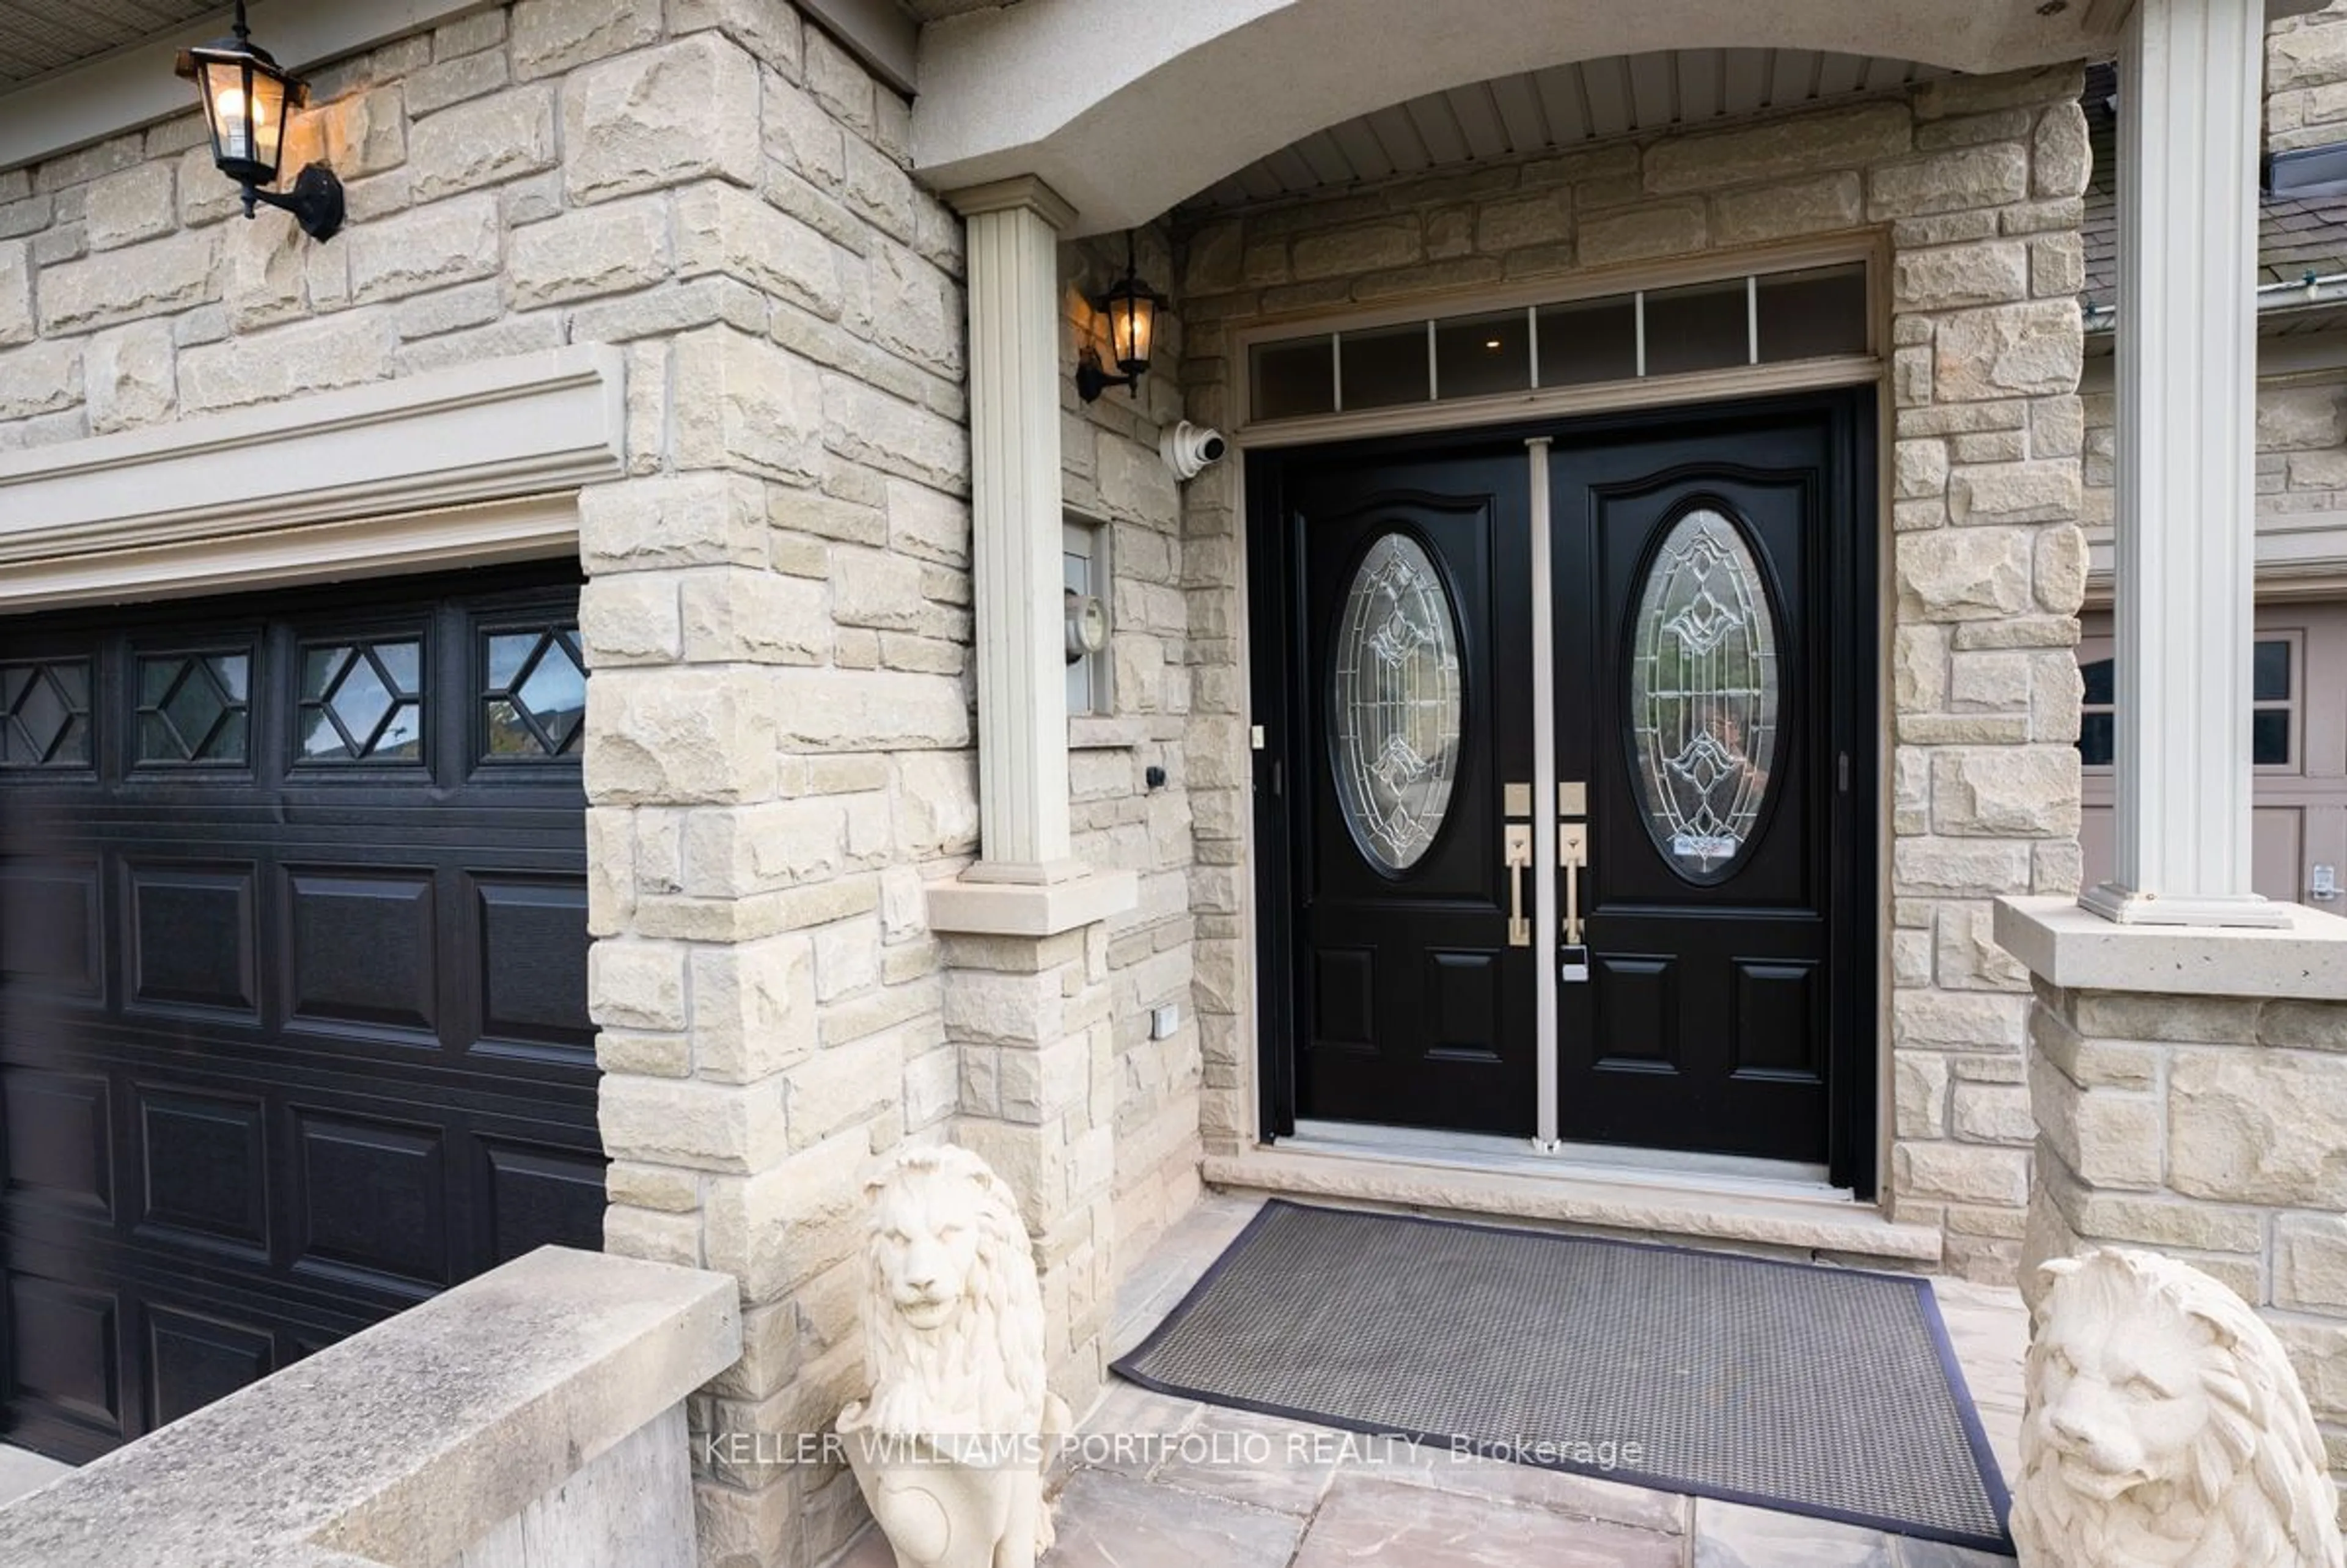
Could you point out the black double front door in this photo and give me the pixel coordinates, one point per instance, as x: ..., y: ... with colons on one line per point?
x: 1697, y: 616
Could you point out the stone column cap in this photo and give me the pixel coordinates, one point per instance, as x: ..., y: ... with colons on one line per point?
x: 1031, y: 908
x: 2077, y: 949
x: 1020, y: 193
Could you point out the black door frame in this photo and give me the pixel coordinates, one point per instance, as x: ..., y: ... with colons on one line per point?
x: 1850, y: 588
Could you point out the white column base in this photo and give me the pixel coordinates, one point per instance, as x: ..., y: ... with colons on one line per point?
x: 1020, y: 874
x: 2126, y: 907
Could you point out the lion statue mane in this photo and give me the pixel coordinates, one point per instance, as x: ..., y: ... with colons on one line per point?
x: 2163, y: 1428
x: 951, y: 1444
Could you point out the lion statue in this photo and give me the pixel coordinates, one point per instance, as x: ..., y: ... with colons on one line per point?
x: 951, y: 1444
x: 2163, y: 1428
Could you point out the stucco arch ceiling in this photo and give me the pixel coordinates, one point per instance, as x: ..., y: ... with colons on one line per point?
x: 1128, y: 109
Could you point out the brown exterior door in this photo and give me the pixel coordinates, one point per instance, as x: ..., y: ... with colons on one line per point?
x: 292, y: 981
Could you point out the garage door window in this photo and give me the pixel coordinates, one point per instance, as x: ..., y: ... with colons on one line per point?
x: 362, y: 703
x: 535, y: 704
x: 194, y: 708
x: 45, y: 715
x: 2273, y: 718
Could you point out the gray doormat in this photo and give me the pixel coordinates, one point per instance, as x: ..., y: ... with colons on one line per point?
x: 1822, y: 1391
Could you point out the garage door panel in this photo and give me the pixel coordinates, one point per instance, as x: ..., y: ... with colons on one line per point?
x: 190, y: 937
x: 531, y: 940
x: 65, y: 1358
x: 60, y: 1138
x: 292, y: 1034
x: 359, y: 951
x: 51, y: 927
x: 195, y: 1358
x: 204, y: 1171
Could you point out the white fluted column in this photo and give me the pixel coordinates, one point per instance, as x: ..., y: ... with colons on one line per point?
x: 2189, y: 104
x: 1014, y: 427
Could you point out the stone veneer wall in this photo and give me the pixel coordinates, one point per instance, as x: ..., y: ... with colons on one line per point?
x: 778, y: 614
x: 2306, y: 79
x: 2209, y: 1128
x: 1977, y: 182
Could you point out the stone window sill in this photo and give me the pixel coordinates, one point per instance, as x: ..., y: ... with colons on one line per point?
x: 2079, y: 951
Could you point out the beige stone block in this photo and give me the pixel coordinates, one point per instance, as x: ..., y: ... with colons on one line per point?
x: 133, y: 204
x: 661, y: 117
x: 2006, y: 791
x: 713, y: 1127
x: 2057, y: 266
x: 1963, y: 574
x: 2305, y: 56
x: 654, y: 1187
x: 1966, y: 94
x: 41, y: 377
x: 286, y: 362
x: 2319, y: 1353
x: 2315, y: 1025
x: 1918, y: 468
x: 630, y: 618
x: 1960, y: 276
x: 723, y: 228
x: 16, y: 293
x: 927, y: 523
x: 154, y: 278
x: 1363, y: 248
x: 482, y: 142
x: 680, y: 737
x: 794, y: 1218
x: 2061, y: 156
x: 2062, y: 564
x: 1992, y: 1113
x: 871, y: 710
x: 2258, y: 1128
x: 591, y: 251
x: 425, y: 248
x: 550, y: 36
x: 1964, y: 868
x: 1920, y: 1093
x: 873, y: 588
x: 1541, y: 218
x: 843, y: 1086
x: 2126, y: 1015
x: 129, y: 376
x: 653, y: 1236
x: 1943, y: 1020
x: 1960, y: 180
x: 263, y: 275
x: 1968, y: 954
x: 755, y: 616
x: 1643, y: 232
x: 691, y: 519
x: 1779, y: 148
x: 637, y: 985
x: 739, y: 850
x: 740, y: 401
x: 2089, y: 1063
x: 2035, y: 350
x: 753, y: 1009
x: 2300, y: 418
x: 1966, y: 1173
x: 1813, y: 206
x: 864, y: 425
x: 2057, y: 427
x: 2107, y: 1139
x: 2311, y: 1262
x: 935, y: 799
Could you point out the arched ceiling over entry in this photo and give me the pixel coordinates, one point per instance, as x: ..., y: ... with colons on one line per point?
x: 1529, y: 112
x: 1128, y: 109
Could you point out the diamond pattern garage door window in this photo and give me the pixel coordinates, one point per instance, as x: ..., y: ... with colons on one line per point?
x: 45, y: 715
x: 535, y: 700
x: 361, y: 702
x: 194, y: 708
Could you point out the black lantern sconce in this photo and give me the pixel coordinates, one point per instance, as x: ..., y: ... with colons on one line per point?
x: 1131, y: 307
x: 246, y: 97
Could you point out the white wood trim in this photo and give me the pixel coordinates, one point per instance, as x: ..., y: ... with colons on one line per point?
x: 532, y: 529
x: 523, y: 426
x: 1543, y: 588
x: 135, y: 87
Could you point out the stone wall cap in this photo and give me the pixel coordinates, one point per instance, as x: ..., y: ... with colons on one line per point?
x: 1030, y: 910
x: 2077, y: 949
x: 404, y: 1444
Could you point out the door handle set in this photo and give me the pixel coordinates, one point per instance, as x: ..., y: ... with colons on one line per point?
x: 1518, y: 859
x: 1573, y: 858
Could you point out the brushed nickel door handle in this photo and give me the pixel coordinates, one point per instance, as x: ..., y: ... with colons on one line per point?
x: 1572, y: 857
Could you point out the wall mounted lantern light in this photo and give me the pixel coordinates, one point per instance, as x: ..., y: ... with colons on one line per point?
x: 1131, y: 307
x: 245, y: 98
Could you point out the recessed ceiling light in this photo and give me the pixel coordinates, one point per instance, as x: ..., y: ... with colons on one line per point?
x: 1490, y: 342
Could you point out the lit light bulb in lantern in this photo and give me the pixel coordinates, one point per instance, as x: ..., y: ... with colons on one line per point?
x: 234, y: 118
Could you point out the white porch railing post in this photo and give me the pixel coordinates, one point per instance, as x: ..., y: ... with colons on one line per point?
x: 1014, y: 404
x: 2189, y: 80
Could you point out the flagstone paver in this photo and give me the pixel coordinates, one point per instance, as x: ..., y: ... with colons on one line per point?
x: 1371, y: 1518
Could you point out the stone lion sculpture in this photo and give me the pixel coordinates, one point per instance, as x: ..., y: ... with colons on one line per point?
x: 2163, y: 1428
x: 951, y: 1444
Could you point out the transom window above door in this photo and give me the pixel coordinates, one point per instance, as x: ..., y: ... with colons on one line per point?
x: 1762, y: 318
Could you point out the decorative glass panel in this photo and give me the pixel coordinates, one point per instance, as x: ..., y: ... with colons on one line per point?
x: 1394, y: 703
x: 535, y: 697
x: 362, y: 703
x: 45, y: 715
x: 1703, y: 696
x: 194, y: 708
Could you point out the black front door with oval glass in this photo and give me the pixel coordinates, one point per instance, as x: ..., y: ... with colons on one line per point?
x: 1702, y: 699
x: 1709, y: 642
x: 1413, y: 628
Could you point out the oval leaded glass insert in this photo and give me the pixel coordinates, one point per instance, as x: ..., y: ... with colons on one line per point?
x: 1394, y: 703
x: 1703, y: 696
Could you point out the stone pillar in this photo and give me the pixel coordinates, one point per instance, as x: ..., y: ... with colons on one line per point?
x: 1014, y: 418
x: 2190, y: 1095
x: 1031, y: 1019
x: 2189, y: 85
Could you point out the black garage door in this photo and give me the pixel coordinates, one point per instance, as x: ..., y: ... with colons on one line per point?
x: 292, y: 981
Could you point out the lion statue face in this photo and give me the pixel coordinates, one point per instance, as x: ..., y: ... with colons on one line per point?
x: 2165, y: 1427
x: 953, y: 1316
